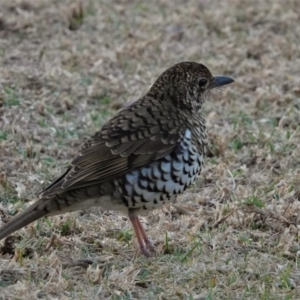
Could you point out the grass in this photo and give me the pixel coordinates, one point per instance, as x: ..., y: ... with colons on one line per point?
x: 65, y: 70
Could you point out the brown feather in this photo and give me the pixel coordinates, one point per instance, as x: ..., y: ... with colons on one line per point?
x: 114, y: 151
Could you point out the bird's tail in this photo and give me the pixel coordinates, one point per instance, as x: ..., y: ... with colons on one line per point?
x: 52, y: 205
x: 31, y: 214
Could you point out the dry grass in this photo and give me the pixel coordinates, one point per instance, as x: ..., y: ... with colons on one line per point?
x: 235, y: 234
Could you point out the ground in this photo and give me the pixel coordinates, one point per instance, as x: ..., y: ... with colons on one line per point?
x: 232, y: 235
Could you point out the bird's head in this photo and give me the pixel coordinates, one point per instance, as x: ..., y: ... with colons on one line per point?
x: 187, y: 85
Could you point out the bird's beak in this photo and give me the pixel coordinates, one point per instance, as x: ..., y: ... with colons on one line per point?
x: 220, y: 81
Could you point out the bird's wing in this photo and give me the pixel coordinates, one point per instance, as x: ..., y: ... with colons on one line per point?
x: 137, y: 136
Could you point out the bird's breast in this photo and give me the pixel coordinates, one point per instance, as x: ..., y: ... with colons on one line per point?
x: 151, y: 186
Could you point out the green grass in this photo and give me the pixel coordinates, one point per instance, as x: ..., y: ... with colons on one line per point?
x: 11, y: 98
x: 3, y: 135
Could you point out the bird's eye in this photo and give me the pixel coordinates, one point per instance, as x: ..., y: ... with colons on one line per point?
x: 202, y: 82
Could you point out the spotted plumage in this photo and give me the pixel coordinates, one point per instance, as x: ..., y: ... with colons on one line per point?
x: 141, y: 159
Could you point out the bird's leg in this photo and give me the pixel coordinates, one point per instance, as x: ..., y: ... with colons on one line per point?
x: 144, y: 243
x: 147, y: 242
x: 135, y: 223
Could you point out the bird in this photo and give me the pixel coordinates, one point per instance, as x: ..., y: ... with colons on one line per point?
x: 142, y: 158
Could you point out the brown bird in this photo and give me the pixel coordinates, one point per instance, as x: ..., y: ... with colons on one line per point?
x: 141, y: 159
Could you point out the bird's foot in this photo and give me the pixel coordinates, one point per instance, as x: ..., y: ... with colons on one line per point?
x: 147, y: 248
